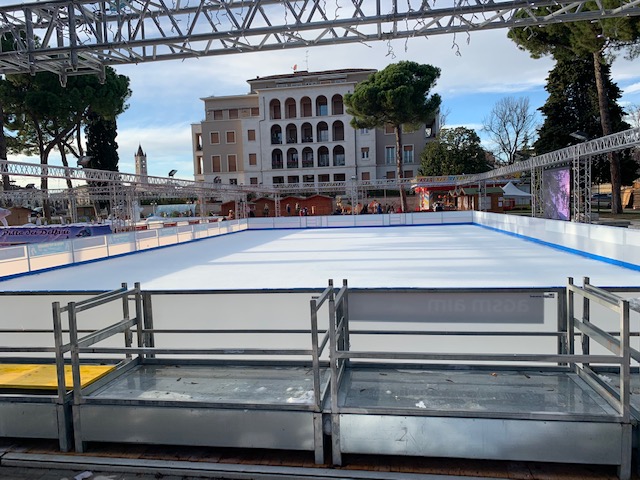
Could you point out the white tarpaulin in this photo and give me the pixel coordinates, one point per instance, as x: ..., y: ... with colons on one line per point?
x: 510, y: 190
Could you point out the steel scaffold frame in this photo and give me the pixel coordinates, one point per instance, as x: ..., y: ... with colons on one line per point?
x: 80, y: 36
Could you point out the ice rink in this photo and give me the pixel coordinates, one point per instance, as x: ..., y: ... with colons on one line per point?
x: 413, y: 257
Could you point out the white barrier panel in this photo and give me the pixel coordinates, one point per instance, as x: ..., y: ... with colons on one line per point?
x: 14, y: 260
x: 121, y: 243
x: 90, y: 248
x: 49, y: 255
x: 614, y: 243
x: 147, y: 239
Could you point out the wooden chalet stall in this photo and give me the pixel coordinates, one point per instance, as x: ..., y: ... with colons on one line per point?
x: 19, y: 216
x: 468, y: 198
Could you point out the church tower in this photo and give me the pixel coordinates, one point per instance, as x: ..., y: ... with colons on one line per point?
x: 141, y: 162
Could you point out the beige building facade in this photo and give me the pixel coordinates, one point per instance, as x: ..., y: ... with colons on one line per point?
x: 293, y: 129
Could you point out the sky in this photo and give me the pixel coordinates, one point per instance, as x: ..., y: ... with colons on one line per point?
x: 476, y: 71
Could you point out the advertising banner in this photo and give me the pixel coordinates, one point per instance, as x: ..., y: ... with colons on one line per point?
x: 51, y: 233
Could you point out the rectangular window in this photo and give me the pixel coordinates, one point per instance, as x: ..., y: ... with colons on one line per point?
x: 407, y: 154
x: 215, y: 138
x: 307, y: 179
x: 231, y: 136
x: 364, y: 151
x: 198, y: 141
x: 364, y: 131
x: 215, y: 160
x: 231, y: 160
x: 408, y: 174
x: 199, y: 165
x: 251, y: 135
x: 253, y: 159
x: 391, y: 175
x: 390, y: 155
x: 255, y: 111
x: 233, y: 113
x: 293, y: 179
x: 277, y: 180
x: 389, y: 129
x: 233, y: 181
x: 323, y: 178
x: 366, y: 176
x: 253, y: 180
x: 217, y: 114
x: 339, y: 177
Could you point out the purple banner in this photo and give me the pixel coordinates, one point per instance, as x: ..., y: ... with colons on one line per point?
x: 51, y: 233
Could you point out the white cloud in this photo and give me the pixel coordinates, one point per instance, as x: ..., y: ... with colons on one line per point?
x: 472, y: 126
x: 633, y: 88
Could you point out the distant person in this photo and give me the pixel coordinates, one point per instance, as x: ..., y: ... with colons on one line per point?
x: 38, y: 220
x: 265, y: 210
x: 231, y: 215
x: 4, y: 213
x: 288, y: 209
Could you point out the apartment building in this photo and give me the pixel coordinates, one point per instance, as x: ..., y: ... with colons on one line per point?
x: 294, y: 129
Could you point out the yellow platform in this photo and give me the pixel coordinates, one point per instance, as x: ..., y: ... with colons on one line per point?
x: 44, y: 377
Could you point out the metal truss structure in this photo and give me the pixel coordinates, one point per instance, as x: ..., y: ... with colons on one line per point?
x: 578, y: 157
x: 79, y: 36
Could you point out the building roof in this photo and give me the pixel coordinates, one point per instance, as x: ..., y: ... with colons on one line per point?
x: 305, y: 73
x: 140, y: 153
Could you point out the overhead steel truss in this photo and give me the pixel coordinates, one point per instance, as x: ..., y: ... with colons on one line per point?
x: 79, y: 36
x: 578, y: 157
x: 143, y: 183
x: 609, y: 143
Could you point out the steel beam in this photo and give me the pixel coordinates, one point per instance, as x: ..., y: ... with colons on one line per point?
x: 80, y: 36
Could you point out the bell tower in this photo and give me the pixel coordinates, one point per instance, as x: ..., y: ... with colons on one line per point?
x: 141, y: 162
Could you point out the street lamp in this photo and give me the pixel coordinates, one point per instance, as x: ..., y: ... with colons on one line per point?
x: 583, y: 137
x: 172, y: 172
x: 84, y: 160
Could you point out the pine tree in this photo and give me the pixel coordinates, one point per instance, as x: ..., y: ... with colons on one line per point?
x: 572, y: 106
x: 101, y: 143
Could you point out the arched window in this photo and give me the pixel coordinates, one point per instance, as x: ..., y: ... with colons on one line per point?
x: 307, y: 157
x: 338, y: 156
x: 323, y: 132
x: 307, y: 132
x: 306, y: 109
x: 338, y: 131
x: 321, y: 106
x: 323, y: 157
x: 292, y: 133
x: 290, y: 108
x: 276, y: 135
x: 276, y: 159
x: 274, y: 109
x: 337, y: 106
x: 292, y: 158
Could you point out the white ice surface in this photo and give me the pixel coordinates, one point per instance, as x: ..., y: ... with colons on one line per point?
x: 420, y: 256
